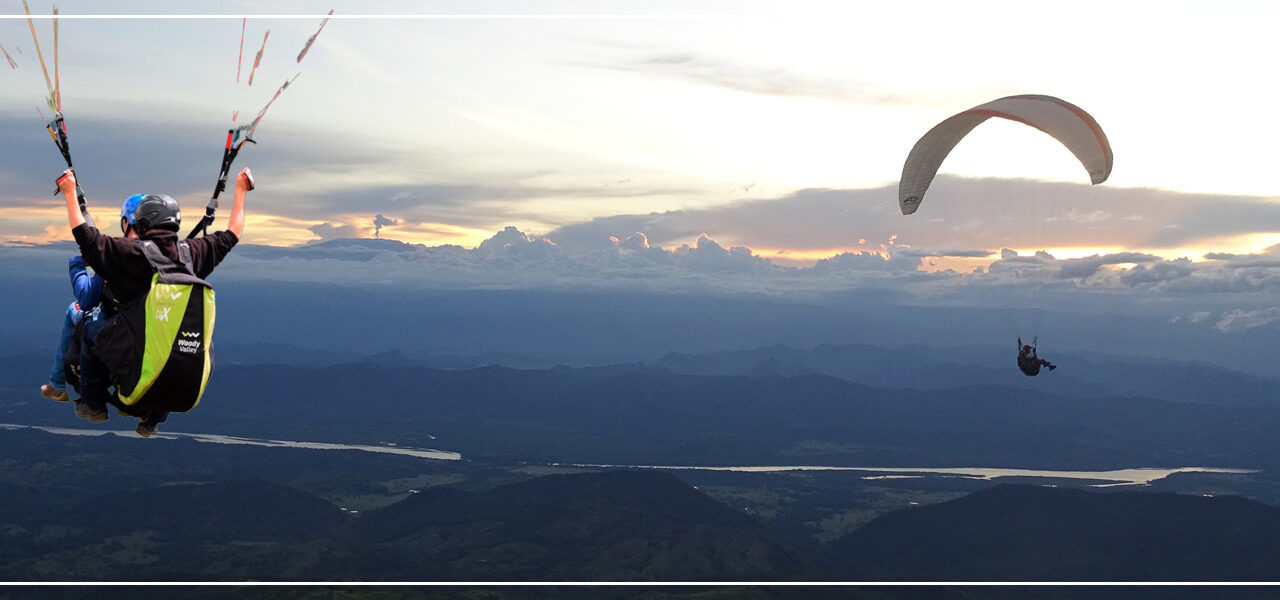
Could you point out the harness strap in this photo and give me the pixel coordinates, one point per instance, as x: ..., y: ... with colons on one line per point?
x: 169, y: 271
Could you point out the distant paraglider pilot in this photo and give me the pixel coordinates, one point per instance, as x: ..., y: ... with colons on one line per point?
x: 1028, y: 362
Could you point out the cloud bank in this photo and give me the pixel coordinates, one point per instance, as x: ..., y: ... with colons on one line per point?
x: 960, y: 217
x: 1231, y: 294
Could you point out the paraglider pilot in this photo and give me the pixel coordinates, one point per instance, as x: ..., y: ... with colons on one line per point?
x: 1028, y: 362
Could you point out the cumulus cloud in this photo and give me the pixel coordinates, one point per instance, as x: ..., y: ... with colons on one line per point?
x: 1080, y: 268
x: 866, y: 260
x: 1012, y: 262
x: 708, y: 255
x: 1241, y: 320
x: 506, y: 239
x: 1157, y: 272
x: 636, y: 241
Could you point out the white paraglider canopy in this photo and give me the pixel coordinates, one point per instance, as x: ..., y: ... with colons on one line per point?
x: 1066, y: 122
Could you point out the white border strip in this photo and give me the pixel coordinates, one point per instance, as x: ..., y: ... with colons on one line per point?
x: 431, y: 16
x: 653, y: 583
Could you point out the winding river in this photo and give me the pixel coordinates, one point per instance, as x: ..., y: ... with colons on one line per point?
x: 1134, y: 476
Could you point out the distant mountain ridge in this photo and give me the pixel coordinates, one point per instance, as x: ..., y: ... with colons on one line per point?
x: 902, y: 367
x: 920, y: 367
x: 766, y: 407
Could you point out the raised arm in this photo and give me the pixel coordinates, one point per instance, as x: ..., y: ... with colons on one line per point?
x: 67, y: 185
x: 244, y: 183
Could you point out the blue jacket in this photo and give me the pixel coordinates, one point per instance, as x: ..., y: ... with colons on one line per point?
x: 86, y: 284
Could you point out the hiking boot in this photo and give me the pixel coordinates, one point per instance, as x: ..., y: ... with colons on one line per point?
x: 95, y: 415
x: 146, y: 429
x: 48, y: 391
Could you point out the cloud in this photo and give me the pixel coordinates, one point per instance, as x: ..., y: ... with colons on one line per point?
x: 329, y: 231
x: 1190, y: 217
x: 867, y: 261
x: 707, y: 255
x: 776, y: 81
x: 941, y: 253
x: 1096, y: 216
x: 1189, y: 291
x: 512, y: 258
x: 341, y: 183
x: 1240, y: 320
x: 1270, y: 257
x: 964, y: 213
x: 1080, y: 268
x: 1157, y: 272
x: 506, y: 239
x: 636, y: 242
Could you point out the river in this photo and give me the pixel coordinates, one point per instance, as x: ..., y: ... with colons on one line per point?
x: 1133, y: 476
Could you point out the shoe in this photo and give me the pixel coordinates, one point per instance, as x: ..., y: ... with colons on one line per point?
x: 1052, y: 367
x: 145, y: 429
x: 48, y: 391
x: 84, y: 411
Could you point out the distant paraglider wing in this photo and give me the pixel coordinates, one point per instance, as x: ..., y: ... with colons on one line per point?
x: 313, y: 38
x: 1066, y: 122
x: 8, y: 58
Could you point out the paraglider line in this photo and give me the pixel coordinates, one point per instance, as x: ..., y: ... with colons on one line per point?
x: 240, y: 56
x: 57, y: 83
x: 39, y: 54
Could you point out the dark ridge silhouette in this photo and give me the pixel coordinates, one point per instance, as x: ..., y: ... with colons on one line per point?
x: 609, y: 526
x: 221, y: 511
x: 1028, y: 533
x: 615, y: 525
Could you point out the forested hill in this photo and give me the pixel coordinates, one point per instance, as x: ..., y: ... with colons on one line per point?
x: 1026, y: 533
x: 622, y: 526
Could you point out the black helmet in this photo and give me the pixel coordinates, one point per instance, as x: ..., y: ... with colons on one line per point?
x: 158, y: 211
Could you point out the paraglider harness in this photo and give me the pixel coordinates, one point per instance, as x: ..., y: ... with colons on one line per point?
x: 158, y: 348
x: 1028, y: 362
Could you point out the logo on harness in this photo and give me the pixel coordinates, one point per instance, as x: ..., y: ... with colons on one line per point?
x: 189, y: 346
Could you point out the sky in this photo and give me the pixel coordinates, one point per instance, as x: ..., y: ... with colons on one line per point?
x: 546, y: 115
x: 760, y: 142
